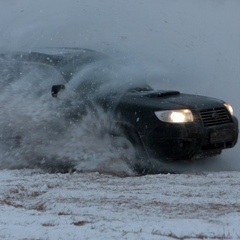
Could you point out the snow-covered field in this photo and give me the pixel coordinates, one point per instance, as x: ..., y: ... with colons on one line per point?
x: 37, y: 205
x: 188, y: 45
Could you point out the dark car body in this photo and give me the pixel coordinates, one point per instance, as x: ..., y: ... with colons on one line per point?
x: 210, y: 129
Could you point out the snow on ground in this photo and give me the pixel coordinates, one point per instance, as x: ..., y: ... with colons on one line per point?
x: 39, y: 205
x: 192, y: 46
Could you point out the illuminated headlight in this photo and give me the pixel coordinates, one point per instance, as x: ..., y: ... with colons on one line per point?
x: 229, y: 108
x: 175, y: 116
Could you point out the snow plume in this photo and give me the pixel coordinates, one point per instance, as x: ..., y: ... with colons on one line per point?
x: 39, y: 131
x: 64, y: 134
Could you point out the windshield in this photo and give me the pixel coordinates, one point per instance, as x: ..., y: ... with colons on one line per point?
x: 144, y: 88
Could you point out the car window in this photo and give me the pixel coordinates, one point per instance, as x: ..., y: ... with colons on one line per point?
x: 34, y: 76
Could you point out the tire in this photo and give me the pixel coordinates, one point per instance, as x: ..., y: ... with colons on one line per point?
x: 126, y: 138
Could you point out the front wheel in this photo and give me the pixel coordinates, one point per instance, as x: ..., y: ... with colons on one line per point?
x: 127, y: 141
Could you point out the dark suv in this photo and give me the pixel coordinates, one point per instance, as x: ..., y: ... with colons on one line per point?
x: 164, y: 124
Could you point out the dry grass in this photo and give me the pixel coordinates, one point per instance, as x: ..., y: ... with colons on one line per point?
x: 9, y: 203
x: 40, y: 207
x: 192, y: 236
x: 63, y: 214
x: 48, y: 225
x: 80, y: 223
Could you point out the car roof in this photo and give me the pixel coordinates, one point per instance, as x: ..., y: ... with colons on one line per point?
x: 62, y: 50
x: 66, y: 61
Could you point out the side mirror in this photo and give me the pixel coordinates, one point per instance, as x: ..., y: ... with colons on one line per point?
x: 56, y: 89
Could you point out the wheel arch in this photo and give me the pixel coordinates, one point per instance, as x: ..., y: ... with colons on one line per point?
x: 133, y: 136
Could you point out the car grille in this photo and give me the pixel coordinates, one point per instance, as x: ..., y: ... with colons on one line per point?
x: 215, y: 116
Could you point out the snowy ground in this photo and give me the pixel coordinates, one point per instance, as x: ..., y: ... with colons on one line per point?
x: 38, y: 205
x: 191, y: 46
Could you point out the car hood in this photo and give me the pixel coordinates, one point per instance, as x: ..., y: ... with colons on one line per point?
x: 196, y: 102
x: 165, y: 100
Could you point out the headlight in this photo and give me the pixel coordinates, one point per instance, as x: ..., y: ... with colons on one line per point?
x: 229, y: 108
x: 175, y: 116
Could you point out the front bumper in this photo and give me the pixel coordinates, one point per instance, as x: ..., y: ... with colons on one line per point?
x: 191, y: 140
